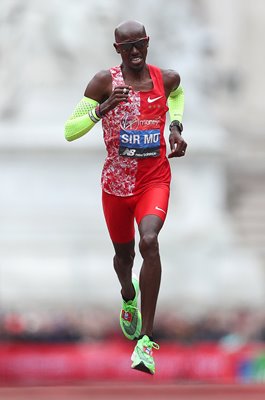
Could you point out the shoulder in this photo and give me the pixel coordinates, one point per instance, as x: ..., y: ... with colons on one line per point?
x: 171, y: 79
x: 102, y: 76
x: 99, y: 86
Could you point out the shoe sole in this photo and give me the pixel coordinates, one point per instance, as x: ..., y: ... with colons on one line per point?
x: 141, y: 367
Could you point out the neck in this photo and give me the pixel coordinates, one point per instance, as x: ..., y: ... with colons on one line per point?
x: 138, y: 79
x: 135, y: 74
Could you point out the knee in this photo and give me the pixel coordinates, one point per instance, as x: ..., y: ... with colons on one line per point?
x: 149, y: 244
x: 123, y: 260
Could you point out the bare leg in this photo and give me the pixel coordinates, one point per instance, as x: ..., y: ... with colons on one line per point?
x: 150, y: 275
x: 123, y: 264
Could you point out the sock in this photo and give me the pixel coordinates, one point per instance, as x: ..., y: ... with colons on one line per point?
x: 126, y: 300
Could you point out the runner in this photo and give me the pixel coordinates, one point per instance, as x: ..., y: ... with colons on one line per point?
x: 132, y: 100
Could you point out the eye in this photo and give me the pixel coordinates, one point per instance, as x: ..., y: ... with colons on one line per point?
x: 127, y: 46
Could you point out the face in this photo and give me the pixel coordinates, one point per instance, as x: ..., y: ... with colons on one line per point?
x: 133, y: 50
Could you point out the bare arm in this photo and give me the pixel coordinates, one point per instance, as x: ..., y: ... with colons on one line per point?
x: 98, y: 100
x: 171, y: 80
x: 100, y: 89
x: 100, y: 86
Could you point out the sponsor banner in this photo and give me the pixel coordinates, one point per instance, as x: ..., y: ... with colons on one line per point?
x: 69, y: 363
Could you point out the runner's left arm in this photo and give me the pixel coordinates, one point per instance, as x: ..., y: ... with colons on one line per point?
x: 176, y: 104
x: 176, y: 108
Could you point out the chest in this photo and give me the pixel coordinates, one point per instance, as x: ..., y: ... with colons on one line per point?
x: 142, y: 86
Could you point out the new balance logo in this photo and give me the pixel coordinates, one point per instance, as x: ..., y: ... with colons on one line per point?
x: 149, y: 100
x: 129, y: 152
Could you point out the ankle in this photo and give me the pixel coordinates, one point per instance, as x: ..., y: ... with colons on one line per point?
x: 144, y: 334
x: 131, y: 296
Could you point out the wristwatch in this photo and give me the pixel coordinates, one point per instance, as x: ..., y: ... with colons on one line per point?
x: 177, y: 124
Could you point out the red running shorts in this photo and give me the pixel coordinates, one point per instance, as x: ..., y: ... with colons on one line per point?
x: 120, y: 212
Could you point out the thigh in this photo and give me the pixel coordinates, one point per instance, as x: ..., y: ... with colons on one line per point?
x: 119, y: 216
x: 154, y: 201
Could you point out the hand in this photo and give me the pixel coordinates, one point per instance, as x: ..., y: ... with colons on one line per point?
x: 178, y: 145
x: 119, y: 94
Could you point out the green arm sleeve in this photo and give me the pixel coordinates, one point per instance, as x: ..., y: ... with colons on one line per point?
x: 79, y: 122
x: 176, y: 104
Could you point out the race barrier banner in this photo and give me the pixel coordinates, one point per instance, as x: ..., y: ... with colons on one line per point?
x: 35, y: 364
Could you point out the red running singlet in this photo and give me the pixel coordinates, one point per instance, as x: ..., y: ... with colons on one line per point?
x: 134, y: 138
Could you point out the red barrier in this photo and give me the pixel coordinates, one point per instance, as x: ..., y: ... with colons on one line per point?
x: 69, y: 363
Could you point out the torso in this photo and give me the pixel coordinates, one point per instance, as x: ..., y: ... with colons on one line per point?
x: 134, y: 137
x: 142, y: 83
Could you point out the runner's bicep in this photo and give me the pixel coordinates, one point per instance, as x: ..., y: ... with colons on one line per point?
x: 100, y: 86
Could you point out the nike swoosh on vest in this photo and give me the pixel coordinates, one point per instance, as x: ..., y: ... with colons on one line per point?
x: 149, y: 100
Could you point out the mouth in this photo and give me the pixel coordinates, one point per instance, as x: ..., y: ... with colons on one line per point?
x: 136, y: 60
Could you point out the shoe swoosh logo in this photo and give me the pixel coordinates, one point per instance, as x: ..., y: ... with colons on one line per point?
x: 154, y: 99
x: 160, y: 209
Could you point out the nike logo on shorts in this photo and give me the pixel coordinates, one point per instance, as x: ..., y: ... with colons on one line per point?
x: 154, y: 99
x: 160, y: 209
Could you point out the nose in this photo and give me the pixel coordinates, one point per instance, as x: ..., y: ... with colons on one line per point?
x: 134, y: 50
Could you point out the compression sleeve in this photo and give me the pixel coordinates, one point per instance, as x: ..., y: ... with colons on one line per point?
x: 176, y: 104
x: 80, y: 122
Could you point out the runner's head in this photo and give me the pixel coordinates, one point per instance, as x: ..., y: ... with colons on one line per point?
x: 131, y: 42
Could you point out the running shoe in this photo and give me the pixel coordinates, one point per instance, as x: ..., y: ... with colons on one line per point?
x: 142, y: 357
x: 130, y: 316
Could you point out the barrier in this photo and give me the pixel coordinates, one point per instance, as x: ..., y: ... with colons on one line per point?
x: 84, y: 362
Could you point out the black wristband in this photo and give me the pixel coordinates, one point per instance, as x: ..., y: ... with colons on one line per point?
x: 97, y: 111
x: 177, y: 124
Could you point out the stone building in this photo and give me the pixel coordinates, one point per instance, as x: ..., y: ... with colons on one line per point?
x: 54, y: 247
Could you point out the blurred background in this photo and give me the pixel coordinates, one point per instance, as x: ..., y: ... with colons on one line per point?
x: 57, y: 283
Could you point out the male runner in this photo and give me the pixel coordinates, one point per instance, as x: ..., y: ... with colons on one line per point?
x: 131, y: 100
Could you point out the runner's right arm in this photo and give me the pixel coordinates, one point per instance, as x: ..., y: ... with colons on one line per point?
x: 82, y: 120
x: 99, y: 99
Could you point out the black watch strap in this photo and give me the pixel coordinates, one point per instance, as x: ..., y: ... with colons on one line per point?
x: 177, y: 124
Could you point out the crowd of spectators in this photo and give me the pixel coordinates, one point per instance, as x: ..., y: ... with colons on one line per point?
x: 231, y: 328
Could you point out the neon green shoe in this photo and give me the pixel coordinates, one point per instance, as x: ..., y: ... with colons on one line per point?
x: 130, y: 316
x: 142, y: 357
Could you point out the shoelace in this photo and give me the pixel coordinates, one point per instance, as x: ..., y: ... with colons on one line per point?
x: 151, y: 345
x: 129, y: 308
x: 154, y: 345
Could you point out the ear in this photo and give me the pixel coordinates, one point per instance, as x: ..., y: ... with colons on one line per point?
x: 116, y: 48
